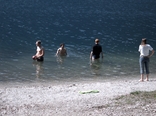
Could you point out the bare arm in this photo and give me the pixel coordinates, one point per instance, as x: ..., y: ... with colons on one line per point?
x: 43, y: 52
x: 57, y: 52
x: 151, y: 53
x: 91, y: 54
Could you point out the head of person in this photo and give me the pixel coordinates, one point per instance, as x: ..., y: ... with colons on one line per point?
x: 97, y: 41
x: 38, y: 42
x: 62, y: 45
x: 143, y: 41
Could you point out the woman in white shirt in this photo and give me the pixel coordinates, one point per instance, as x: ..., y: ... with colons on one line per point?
x: 145, y: 54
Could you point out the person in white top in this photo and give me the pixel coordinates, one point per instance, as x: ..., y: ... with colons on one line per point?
x: 145, y: 54
x: 39, y: 56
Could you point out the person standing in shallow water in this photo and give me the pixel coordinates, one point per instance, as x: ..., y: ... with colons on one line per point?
x: 145, y: 54
x: 96, y: 51
x: 39, y: 56
x: 61, y: 51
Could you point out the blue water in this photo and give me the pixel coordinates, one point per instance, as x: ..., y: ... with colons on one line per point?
x: 120, y: 26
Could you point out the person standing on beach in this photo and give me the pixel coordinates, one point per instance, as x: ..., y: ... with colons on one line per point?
x: 39, y: 56
x: 145, y: 54
x: 61, y: 51
x: 96, y: 51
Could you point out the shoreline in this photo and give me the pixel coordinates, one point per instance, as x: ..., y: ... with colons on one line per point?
x: 66, y: 99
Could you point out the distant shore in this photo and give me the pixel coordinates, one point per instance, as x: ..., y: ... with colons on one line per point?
x: 66, y: 99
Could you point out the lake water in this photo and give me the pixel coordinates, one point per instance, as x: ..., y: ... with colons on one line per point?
x: 120, y: 26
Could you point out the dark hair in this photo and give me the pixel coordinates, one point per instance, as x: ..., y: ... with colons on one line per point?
x: 38, y: 41
x: 143, y: 41
x: 61, y: 44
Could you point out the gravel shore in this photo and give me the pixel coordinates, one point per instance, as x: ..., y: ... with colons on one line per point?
x: 67, y: 99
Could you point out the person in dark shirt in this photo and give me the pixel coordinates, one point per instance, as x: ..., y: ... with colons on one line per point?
x: 96, y: 51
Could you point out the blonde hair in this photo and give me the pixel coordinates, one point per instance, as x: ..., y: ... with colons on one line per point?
x: 97, y: 40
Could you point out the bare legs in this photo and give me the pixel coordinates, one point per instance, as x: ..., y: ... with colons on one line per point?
x: 142, y: 77
x: 147, y: 77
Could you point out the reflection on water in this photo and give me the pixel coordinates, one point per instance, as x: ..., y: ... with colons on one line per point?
x: 39, y: 68
x: 72, y: 68
x: 96, y: 67
x: 60, y: 59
